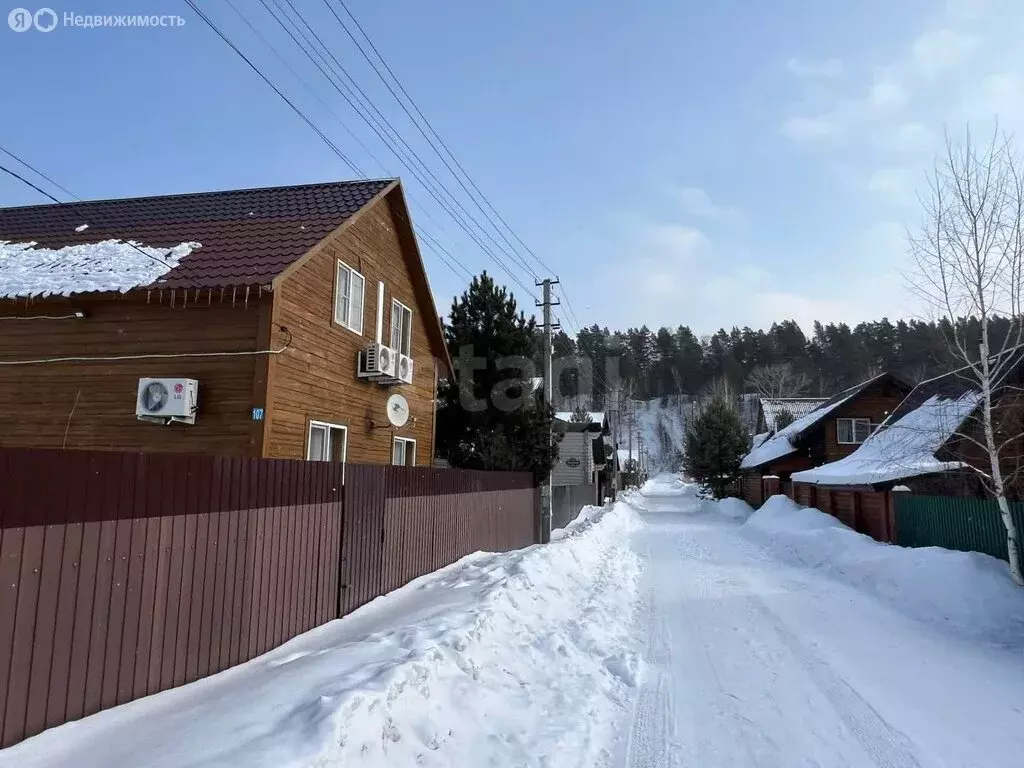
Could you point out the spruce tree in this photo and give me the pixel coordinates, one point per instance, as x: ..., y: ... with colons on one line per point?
x: 490, y: 415
x: 716, y: 442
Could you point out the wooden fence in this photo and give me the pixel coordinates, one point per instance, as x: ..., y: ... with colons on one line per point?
x: 125, y: 574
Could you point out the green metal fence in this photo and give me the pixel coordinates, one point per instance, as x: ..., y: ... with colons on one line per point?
x: 970, y: 525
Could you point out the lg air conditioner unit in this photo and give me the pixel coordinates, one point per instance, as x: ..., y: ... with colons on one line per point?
x: 405, y: 369
x: 377, y: 362
x: 165, y: 400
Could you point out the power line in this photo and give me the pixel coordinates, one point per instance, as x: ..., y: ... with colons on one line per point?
x: 439, y: 140
x: 379, y: 126
x: 303, y: 116
x: 355, y: 169
x: 38, y: 173
x: 431, y: 128
x: 22, y: 179
x: 161, y: 261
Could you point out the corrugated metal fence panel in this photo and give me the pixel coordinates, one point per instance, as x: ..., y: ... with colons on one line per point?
x: 969, y: 525
x: 126, y: 574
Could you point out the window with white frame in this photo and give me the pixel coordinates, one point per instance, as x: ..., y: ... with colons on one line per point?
x: 401, y: 327
x: 349, y: 287
x: 852, y: 431
x: 403, y: 454
x: 327, y: 442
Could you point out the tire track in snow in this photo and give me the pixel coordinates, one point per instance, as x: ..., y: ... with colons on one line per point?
x: 650, y: 729
x: 887, y: 746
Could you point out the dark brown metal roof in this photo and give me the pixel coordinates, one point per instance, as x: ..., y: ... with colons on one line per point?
x: 248, y: 236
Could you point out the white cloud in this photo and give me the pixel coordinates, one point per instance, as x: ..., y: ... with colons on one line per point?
x: 810, y: 128
x: 887, y: 95
x: 896, y: 185
x: 940, y: 50
x: 911, y: 136
x: 826, y: 69
x: 670, y: 244
x: 697, y: 202
x: 997, y: 95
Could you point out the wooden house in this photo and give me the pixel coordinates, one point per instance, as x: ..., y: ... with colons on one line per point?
x: 932, y: 442
x: 276, y: 322
x: 827, y: 433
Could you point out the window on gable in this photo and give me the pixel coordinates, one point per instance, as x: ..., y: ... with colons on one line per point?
x: 401, y: 328
x: 349, y: 287
x: 852, y: 431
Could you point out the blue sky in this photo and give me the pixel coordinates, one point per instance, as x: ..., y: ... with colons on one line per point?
x: 707, y: 164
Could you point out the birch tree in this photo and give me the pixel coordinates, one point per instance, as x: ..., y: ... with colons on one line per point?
x: 969, y: 253
x: 775, y: 381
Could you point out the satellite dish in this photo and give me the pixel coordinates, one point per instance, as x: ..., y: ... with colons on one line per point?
x: 398, y: 410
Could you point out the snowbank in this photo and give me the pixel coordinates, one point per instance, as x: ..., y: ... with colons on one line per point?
x: 110, y: 265
x: 966, y: 591
x: 519, y: 658
x: 732, y: 508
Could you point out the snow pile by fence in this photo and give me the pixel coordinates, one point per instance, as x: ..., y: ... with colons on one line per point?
x: 733, y: 508
x: 518, y: 658
x: 968, y: 592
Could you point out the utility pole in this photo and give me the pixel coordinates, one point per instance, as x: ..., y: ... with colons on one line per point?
x: 549, y: 326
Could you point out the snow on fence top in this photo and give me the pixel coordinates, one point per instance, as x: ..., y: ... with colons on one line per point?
x: 110, y: 265
x: 905, y: 448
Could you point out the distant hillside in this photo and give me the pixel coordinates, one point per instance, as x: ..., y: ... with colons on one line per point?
x: 661, y: 423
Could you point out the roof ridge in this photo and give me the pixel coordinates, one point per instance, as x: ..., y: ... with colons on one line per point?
x: 209, y: 193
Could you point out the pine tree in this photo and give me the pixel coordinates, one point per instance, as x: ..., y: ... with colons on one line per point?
x: 489, y: 416
x: 580, y: 415
x: 716, y: 442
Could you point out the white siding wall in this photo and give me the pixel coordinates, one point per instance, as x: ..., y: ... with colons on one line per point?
x: 578, y: 446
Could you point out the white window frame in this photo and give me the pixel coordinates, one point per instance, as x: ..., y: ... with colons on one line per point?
x: 349, y: 322
x: 394, y: 450
x: 327, y: 425
x: 407, y: 351
x: 853, y: 431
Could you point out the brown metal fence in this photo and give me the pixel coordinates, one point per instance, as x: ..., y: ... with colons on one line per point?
x: 125, y: 574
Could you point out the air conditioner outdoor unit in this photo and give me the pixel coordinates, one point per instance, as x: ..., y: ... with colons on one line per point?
x: 377, y: 362
x: 165, y: 400
x: 405, y: 369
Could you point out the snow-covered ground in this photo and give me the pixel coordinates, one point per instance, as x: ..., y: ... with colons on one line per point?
x: 515, y: 659
x: 762, y: 650
x: 663, y: 631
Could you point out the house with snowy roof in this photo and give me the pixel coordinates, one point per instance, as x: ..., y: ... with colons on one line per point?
x: 770, y: 408
x: 828, y: 432
x: 288, y: 322
x: 932, y: 442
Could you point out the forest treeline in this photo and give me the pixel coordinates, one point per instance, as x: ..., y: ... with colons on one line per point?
x: 667, y: 361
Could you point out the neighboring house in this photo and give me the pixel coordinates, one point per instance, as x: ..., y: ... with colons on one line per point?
x: 268, y: 299
x: 577, y: 476
x: 769, y: 409
x: 930, y: 442
x: 827, y: 433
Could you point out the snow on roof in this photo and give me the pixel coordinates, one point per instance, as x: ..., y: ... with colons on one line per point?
x: 596, y: 417
x: 798, y: 406
x: 780, y: 444
x: 904, y: 448
x: 759, y: 439
x: 110, y: 265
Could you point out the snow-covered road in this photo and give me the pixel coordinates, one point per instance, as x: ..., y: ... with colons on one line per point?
x: 660, y: 631
x: 753, y: 661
